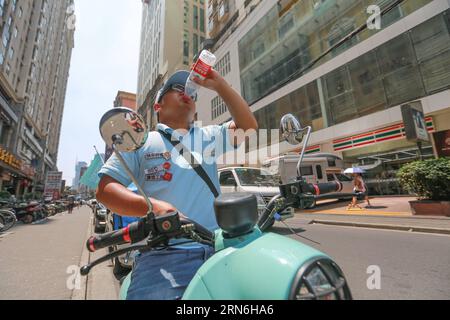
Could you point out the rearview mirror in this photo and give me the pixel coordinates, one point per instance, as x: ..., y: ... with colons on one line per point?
x: 291, y: 129
x: 124, y: 128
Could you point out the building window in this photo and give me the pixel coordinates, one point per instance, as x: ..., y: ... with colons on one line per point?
x: 431, y: 42
x: 278, y: 46
x: 202, y: 20
x: 195, y: 17
x: 224, y: 65
x: 218, y: 107
x: 186, y: 47
x: 399, y: 69
x: 195, y: 44
x: 340, y: 30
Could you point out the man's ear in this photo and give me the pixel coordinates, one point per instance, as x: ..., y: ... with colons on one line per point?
x: 156, y: 107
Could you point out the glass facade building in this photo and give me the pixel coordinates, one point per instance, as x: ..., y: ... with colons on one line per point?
x: 410, y: 66
x: 296, y: 56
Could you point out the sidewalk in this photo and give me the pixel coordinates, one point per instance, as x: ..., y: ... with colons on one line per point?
x: 391, y: 213
x: 100, y: 284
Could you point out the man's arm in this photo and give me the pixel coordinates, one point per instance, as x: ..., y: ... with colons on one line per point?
x: 122, y: 201
x: 240, y: 111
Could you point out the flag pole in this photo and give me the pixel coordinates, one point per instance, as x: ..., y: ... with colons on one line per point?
x: 103, y: 161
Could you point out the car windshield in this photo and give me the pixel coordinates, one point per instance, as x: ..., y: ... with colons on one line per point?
x: 257, y: 177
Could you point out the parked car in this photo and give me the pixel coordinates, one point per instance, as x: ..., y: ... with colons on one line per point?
x: 100, y: 214
x: 257, y: 181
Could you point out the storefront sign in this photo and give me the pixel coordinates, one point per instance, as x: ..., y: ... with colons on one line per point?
x: 29, y: 171
x: 442, y: 140
x: 53, y: 185
x: 394, y: 132
x: 414, y: 121
x: 310, y: 149
x: 9, y: 159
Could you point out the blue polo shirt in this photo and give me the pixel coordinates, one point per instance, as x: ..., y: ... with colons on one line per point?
x: 179, y: 185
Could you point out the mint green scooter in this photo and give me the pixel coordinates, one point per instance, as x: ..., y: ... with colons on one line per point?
x: 248, y: 264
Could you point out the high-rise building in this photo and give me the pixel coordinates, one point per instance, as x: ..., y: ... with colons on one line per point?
x: 225, y: 15
x: 283, y: 59
x: 125, y: 99
x: 80, y: 167
x: 172, y: 34
x: 35, y: 52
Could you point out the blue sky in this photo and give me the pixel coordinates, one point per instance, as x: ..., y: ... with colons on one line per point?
x: 105, y: 60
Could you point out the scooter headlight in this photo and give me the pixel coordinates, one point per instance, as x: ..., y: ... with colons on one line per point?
x: 320, y: 279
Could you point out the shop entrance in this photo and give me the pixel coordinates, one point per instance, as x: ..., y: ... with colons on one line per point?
x: 382, y: 162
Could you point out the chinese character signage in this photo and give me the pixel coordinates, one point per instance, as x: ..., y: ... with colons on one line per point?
x: 53, y: 185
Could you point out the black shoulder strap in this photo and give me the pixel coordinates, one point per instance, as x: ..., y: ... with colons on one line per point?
x: 192, y: 161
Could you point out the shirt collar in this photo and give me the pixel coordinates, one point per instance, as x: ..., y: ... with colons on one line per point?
x: 167, y: 129
x: 172, y: 132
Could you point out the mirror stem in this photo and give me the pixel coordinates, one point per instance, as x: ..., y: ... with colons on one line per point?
x: 136, y: 183
x: 302, y: 154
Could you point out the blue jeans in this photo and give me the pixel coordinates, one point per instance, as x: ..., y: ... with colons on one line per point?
x: 165, y: 275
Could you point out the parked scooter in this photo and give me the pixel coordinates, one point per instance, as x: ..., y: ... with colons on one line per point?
x: 30, y: 212
x: 244, y: 255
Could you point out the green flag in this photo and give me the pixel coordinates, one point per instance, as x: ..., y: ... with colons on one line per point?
x: 90, y: 177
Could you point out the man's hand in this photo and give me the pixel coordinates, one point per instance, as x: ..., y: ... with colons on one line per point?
x: 161, y: 208
x: 213, y: 81
x: 238, y: 107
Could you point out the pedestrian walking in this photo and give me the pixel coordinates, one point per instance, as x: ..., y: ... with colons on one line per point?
x: 359, y: 187
x: 70, y: 205
x: 359, y: 190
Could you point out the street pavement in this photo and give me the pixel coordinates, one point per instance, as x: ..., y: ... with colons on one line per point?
x: 34, y: 259
x: 38, y: 261
x: 385, y: 213
x: 412, y: 265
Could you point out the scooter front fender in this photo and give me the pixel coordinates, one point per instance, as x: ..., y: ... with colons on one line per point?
x: 263, y: 269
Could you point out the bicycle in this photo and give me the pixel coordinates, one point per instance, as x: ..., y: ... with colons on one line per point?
x: 7, y: 220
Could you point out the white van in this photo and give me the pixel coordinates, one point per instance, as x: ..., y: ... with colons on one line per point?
x: 258, y: 181
x: 315, y: 168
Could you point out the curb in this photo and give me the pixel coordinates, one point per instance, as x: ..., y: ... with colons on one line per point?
x: 382, y: 226
x: 81, y: 293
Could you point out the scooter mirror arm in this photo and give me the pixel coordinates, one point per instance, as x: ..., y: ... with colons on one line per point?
x: 136, y: 183
x: 302, y: 154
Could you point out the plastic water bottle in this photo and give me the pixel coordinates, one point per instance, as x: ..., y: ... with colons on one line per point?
x: 201, y: 69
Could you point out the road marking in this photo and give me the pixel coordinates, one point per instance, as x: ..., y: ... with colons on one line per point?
x: 359, y: 213
x: 380, y: 229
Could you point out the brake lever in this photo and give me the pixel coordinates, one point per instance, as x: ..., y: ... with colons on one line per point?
x: 84, y: 271
x: 190, y: 231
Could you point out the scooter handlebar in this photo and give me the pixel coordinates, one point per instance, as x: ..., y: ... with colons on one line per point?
x: 133, y: 233
x: 327, y: 187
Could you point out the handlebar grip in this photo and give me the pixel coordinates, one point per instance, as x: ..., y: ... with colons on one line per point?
x: 133, y: 233
x: 328, y: 187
